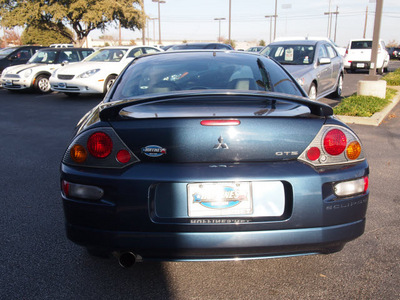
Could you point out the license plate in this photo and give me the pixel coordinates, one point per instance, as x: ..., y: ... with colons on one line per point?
x: 359, y: 65
x: 219, y: 199
x: 62, y: 85
x: 8, y: 83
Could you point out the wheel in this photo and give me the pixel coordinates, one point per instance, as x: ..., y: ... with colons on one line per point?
x: 42, y: 84
x: 312, y: 93
x: 339, y: 87
x: 380, y: 71
x: 109, y: 82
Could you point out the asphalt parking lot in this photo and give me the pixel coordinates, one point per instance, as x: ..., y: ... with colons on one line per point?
x: 38, y: 262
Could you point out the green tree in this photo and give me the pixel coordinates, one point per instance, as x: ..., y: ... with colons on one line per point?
x: 261, y: 43
x: 36, y: 36
x: 231, y: 42
x: 82, y: 16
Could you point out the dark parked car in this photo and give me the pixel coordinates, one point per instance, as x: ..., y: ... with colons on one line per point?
x: 197, y: 46
x: 210, y: 155
x: 394, y: 52
x: 315, y: 64
x: 16, y: 55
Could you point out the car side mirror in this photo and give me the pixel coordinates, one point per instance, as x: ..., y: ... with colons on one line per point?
x: 65, y: 62
x: 324, y: 61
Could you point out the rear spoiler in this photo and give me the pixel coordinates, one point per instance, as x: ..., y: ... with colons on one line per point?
x: 109, y: 111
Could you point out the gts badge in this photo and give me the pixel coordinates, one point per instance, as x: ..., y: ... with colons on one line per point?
x: 287, y: 153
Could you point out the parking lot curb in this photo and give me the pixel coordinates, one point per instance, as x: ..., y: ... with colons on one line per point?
x: 377, y: 117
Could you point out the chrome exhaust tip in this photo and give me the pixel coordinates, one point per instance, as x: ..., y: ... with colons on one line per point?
x: 126, y: 259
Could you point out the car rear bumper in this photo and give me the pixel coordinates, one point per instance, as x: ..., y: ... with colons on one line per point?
x: 145, y: 210
x: 220, y: 245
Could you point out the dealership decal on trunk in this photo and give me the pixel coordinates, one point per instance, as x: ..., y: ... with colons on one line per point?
x: 154, y: 151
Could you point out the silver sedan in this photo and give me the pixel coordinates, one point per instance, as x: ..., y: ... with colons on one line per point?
x: 315, y: 64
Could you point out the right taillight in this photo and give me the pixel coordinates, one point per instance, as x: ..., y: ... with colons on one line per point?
x: 333, y: 145
x: 335, y: 142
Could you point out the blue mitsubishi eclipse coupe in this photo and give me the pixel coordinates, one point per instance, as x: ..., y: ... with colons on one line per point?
x: 212, y: 155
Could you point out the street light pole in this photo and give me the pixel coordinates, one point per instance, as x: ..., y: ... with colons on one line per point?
x: 270, y: 27
x: 275, y: 16
x: 230, y: 20
x: 219, y: 32
x: 159, y: 19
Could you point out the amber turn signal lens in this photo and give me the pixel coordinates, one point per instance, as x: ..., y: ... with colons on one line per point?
x: 78, y: 153
x: 353, y: 150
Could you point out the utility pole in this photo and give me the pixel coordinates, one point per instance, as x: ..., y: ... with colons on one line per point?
x: 154, y: 30
x: 336, y: 13
x: 230, y: 21
x: 330, y: 13
x: 159, y: 19
x: 328, y: 33
x: 365, y: 24
x: 219, y: 32
x: 375, y: 39
x: 270, y: 27
x: 275, y: 16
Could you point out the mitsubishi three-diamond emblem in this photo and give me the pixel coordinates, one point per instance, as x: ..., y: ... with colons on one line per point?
x: 221, y: 144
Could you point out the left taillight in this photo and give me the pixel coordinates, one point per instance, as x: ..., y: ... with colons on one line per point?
x: 99, y: 148
x: 333, y: 145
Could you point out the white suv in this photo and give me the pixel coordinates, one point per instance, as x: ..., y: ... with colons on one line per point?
x: 358, y: 56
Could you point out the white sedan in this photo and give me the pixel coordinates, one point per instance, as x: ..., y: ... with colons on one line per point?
x: 97, y: 73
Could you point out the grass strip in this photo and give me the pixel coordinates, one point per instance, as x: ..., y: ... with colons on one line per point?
x: 363, y: 106
x: 392, y: 78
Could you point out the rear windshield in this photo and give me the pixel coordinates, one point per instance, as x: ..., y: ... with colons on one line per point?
x: 361, y: 44
x: 291, y: 54
x: 188, y: 71
x: 6, y: 51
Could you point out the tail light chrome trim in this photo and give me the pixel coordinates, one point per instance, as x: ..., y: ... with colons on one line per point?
x: 119, y: 157
x: 326, y: 159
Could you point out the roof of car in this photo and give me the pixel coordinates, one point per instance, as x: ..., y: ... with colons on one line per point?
x: 62, y: 49
x: 297, y: 42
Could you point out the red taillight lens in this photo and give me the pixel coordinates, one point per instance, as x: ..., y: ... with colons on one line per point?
x: 99, y: 145
x: 335, y: 142
x: 220, y: 122
x: 313, y: 153
x: 65, y: 187
x: 366, y: 183
x: 123, y: 156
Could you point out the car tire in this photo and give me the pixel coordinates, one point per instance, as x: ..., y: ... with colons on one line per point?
x: 108, y: 83
x: 381, y: 70
x: 42, y: 84
x: 339, y: 87
x: 312, y: 92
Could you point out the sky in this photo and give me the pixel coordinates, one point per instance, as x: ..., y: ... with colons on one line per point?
x: 194, y: 20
